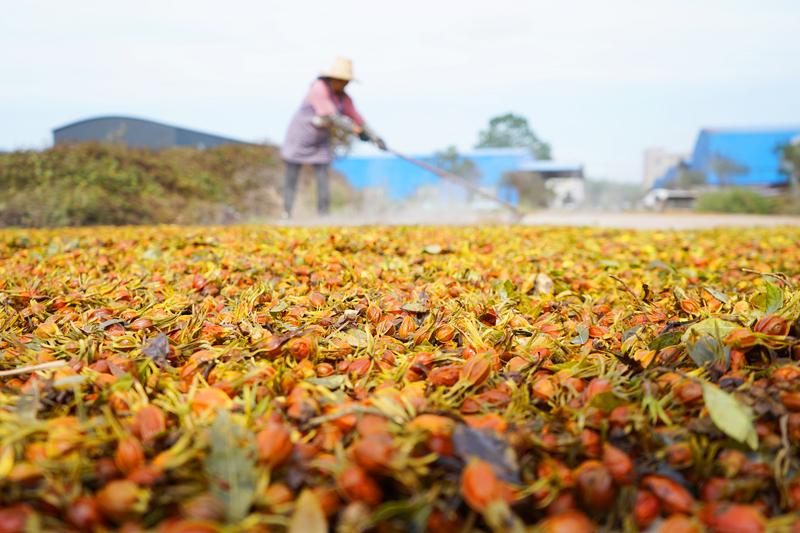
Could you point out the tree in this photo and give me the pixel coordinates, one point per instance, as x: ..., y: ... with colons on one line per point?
x: 790, y: 165
x: 512, y: 131
x: 726, y: 169
x: 451, y: 161
x: 688, y: 178
x: 531, y: 188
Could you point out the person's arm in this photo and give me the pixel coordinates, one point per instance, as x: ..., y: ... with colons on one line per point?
x: 364, y: 132
x: 326, y: 113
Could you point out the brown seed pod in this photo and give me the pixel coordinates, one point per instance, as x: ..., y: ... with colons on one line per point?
x: 407, y: 328
x: 480, y: 486
x: 301, y: 348
x: 679, y: 523
x: 374, y: 453
x: 444, y: 333
x: 568, y: 522
x: 722, y: 517
x: 772, y: 325
x: 594, y: 485
x: 741, y: 338
x: 476, y: 371
x: 14, y: 518
x: 791, y: 400
x: 210, y: 399
x: 120, y: 499
x: 646, y: 509
x: 619, y: 464
x: 149, y: 423
x: 274, y: 444
x: 83, y: 513
x: 673, y: 497
x: 446, y: 376
x: 129, y: 455
x: 140, y: 324
x: 358, y: 486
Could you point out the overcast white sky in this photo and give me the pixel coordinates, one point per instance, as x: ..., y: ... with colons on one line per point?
x: 599, y: 80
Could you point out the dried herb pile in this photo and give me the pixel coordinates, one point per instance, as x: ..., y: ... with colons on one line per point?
x: 399, y: 379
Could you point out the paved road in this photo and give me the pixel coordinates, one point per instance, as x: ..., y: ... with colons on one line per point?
x: 672, y: 220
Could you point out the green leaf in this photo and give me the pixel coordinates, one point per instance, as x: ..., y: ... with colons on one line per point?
x: 357, y: 338
x: 231, y: 467
x: 414, y: 307
x: 730, y: 415
x: 583, y: 334
x: 704, y: 341
x: 308, y: 516
x: 281, y: 306
x: 774, y: 298
x: 670, y: 338
x: 718, y: 295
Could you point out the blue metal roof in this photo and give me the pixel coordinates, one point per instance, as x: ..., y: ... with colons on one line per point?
x: 401, y: 179
x: 753, y: 153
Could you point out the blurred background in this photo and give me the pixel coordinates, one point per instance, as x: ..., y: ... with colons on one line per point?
x: 154, y: 112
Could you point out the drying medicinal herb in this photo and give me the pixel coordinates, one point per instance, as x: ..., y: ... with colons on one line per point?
x: 259, y: 379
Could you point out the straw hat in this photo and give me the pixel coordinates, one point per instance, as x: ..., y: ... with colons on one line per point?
x: 342, y: 69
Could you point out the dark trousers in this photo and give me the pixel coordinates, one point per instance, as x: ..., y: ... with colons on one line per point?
x: 323, y: 187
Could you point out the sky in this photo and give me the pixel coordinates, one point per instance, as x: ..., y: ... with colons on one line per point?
x: 601, y: 81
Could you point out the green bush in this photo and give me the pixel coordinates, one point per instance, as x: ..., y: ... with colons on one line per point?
x: 736, y: 200
x: 91, y: 183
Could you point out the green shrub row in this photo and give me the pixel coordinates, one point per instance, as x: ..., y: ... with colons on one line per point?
x: 91, y: 183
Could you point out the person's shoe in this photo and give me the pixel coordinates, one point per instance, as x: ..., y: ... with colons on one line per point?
x: 285, y: 215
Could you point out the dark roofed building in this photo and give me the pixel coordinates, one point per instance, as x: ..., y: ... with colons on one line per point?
x: 136, y: 132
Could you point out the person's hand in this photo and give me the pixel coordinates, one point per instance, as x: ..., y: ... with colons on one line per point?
x: 381, y: 144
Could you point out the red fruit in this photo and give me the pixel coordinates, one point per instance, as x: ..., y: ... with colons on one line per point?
x: 84, y: 514
x: 673, y: 497
x: 274, y: 444
x: 722, y: 517
x: 568, y: 522
x: 129, y: 455
x: 646, y: 509
x: 479, y: 485
x: 619, y: 464
x: 595, y: 485
x: 590, y: 440
x: 772, y: 325
x: 358, y: 486
x: 149, y: 423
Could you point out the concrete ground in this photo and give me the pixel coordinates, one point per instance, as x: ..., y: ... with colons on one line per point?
x: 669, y: 220
x: 624, y: 220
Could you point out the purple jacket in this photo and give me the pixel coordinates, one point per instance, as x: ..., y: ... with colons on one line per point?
x: 306, y: 143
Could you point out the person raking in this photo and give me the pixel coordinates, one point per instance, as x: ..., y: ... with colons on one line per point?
x: 308, y: 139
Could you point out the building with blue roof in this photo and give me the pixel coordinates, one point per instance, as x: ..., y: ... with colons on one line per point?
x: 737, y: 157
x: 401, y: 180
